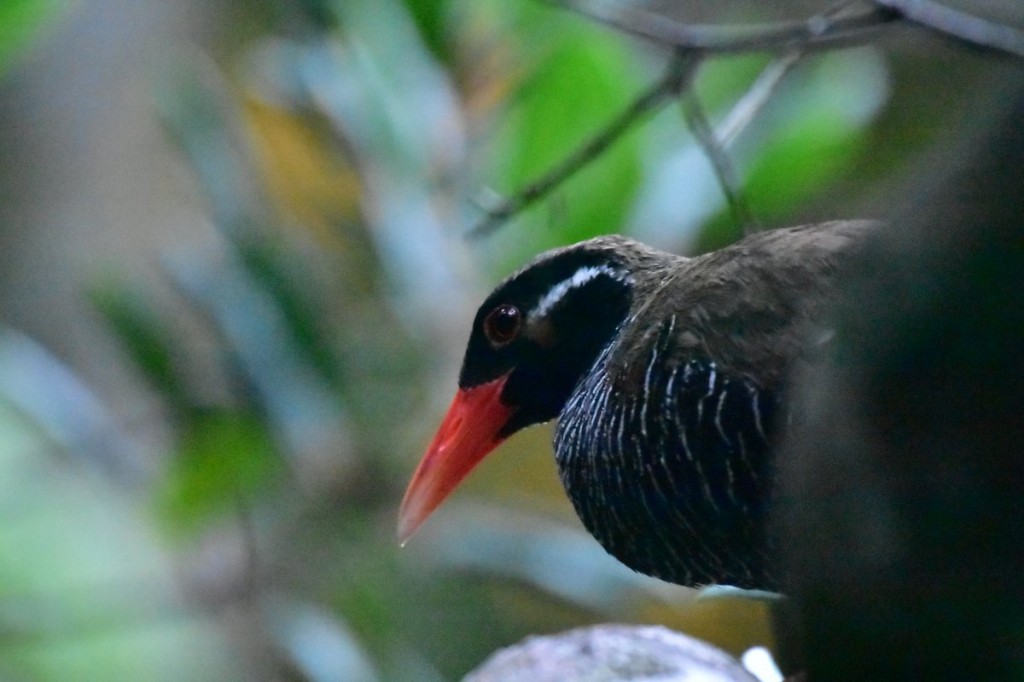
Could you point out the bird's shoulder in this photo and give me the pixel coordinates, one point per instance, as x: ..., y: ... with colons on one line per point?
x: 752, y: 308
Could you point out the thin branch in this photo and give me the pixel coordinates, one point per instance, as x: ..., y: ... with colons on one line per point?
x: 815, y: 33
x: 714, y: 142
x: 834, y: 27
x: 720, y: 161
x: 676, y: 78
x: 761, y: 90
x: 753, y: 100
x: 968, y: 27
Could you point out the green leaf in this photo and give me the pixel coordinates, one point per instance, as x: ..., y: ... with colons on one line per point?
x: 85, y: 584
x: 812, y: 132
x: 829, y: 111
x: 792, y: 168
x: 799, y: 162
x: 290, y: 291
x: 583, y: 81
x: 430, y: 19
x: 20, y: 22
x: 225, y: 459
x: 721, y: 81
x: 144, y: 336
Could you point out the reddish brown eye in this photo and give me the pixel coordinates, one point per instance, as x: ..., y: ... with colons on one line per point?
x: 502, y: 324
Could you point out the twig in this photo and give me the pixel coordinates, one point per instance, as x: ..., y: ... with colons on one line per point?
x: 946, y: 18
x: 761, y: 90
x: 714, y: 142
x: 757, y: 95
x: 831, y: 28
x: 720, y: 161
x: 753, y: 100
x: 678, y: 75
x: 816, y: 33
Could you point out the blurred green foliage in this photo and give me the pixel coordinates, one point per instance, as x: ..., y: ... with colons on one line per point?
x: 587, y: 75
x: 20, y: 23
x: 85, y: 582
x: 338, y: 157
x: 223, y: 461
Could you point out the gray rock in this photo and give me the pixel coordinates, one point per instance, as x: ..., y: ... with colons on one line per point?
x: 611, y: 653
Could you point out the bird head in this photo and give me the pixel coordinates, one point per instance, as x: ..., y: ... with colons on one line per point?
x: 532, y: 339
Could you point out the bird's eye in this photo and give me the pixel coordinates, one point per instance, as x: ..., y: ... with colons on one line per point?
x: 502, y: 324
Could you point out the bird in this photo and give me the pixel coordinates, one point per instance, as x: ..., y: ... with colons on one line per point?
x: 667, y: 376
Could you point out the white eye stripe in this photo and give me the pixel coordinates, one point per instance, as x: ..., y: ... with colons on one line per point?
x: 578, y: 279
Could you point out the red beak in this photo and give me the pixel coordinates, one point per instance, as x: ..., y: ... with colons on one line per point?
x: 469, y: 431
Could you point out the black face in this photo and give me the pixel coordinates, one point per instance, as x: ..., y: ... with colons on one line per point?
x: 545, y: 327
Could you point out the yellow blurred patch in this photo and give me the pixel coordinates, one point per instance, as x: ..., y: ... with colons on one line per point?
x: 306, y: 173
x: 527, y: 458
x: 733, y: 624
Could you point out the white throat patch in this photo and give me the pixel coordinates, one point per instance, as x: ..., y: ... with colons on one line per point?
x: 578, y: 279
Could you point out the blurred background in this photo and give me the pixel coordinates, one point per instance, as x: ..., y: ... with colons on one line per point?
x: 235, y: 290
